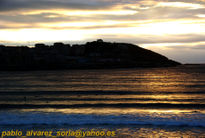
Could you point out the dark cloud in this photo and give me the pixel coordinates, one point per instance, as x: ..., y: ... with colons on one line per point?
x: 10, y: 5
x: 152, y: 13
x: 34, y: 18
x: 142, y: 15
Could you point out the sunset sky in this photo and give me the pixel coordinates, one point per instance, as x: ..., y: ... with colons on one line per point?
x: 175, y: 28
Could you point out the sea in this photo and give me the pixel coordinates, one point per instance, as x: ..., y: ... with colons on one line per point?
x: 125, y: 103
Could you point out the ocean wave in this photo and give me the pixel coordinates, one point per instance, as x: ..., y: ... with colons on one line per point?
x: 104, y: 105
x: 39, y: 118
x: 96, y: 92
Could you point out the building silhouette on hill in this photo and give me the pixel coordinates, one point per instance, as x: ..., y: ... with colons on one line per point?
x: 96, y: 54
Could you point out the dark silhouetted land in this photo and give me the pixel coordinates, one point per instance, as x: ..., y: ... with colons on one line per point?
x: 96, y: 54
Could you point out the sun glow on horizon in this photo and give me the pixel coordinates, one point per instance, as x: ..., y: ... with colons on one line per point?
x: 180, y: 4
x: 69, y: 12
x: 62, y: 32
x: 25, y: 35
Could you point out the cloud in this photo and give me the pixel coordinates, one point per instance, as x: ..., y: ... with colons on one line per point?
x: 34, y: 18
x: 155, y: 39
x: 188, y: 47
x: 10, y: 5
x: 49, y: 11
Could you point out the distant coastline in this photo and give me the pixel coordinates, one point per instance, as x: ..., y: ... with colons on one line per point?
x: 92, y: 55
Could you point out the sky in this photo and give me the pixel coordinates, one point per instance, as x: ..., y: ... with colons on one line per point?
x: 174, y: 28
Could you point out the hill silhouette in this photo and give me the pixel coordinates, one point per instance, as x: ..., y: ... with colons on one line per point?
x: 96, y: 54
